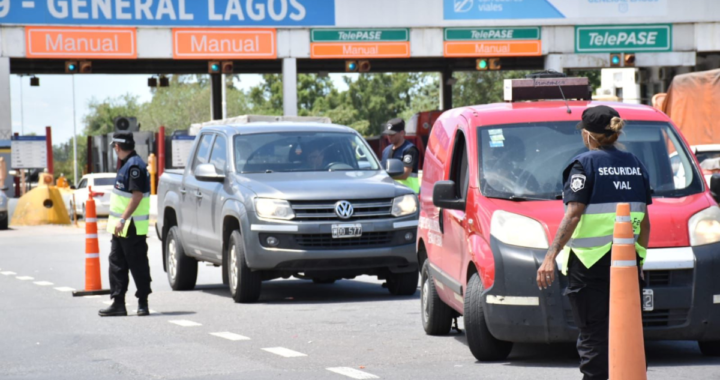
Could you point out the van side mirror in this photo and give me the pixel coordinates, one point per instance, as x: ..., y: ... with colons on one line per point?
x: 207, y: 173
x: 444, y: 196
x: 715, y: 187
x: 394, y: 167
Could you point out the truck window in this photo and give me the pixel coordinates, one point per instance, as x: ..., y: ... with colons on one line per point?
x: 82, y: 184
x: 459, y: 168
x: 219, y: 154
x: 201, y: 156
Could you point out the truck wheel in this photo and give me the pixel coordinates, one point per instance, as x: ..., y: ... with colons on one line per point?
x: 245, y: 284
x: 325, y: 281
x: 436, y: 315
x: 403, y: 284
x: 181, y: 269
x: 483, y: 345
x: 710, y: 348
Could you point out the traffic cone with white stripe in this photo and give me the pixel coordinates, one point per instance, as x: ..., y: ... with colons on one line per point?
x: 626, y: 345
x: 93, y: 279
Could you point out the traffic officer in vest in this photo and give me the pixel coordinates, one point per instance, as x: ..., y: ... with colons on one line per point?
x: 403, y: 150
x: 594, y: 183
x: 128, y: 222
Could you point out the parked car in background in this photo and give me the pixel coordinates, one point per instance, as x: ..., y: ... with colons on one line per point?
x: 102, y: 185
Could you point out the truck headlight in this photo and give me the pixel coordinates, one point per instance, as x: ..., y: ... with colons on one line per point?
x: 273, y: 209
x: 404, y: 205
x: 518, y: 230
x: 704, y: 227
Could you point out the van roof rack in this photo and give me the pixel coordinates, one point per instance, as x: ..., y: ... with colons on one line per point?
x: 546, y: 74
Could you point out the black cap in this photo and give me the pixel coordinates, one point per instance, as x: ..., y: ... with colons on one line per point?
x: 123, y: 138
x: 394, y: 126
x: 597, y: 119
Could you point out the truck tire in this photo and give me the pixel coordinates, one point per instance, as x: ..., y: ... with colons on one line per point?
x: 245, y: 285
x: 483, y: 345
x: 710, y: 348
x: 181, y: 269
x: 436, y: 315
x: 403, y: 284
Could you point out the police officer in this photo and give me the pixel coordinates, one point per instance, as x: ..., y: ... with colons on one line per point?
x: 403, y: 150
x: 128, y: 222
x: 595, y: 182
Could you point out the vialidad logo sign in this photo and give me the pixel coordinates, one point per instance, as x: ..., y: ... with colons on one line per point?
x: 623, y: 38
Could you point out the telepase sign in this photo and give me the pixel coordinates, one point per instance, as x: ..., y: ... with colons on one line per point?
x: 623, y: 38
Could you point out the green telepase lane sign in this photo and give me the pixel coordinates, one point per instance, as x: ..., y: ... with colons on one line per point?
x: 360, y: 35
x: 623, y: 38
x: 480, y: 34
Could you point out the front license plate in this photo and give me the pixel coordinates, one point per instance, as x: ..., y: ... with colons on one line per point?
x: 344, y: 231
x: 648, y: 300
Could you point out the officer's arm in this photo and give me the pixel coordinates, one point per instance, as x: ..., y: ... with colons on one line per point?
x: 405, y: 174
x: 137, y: 197
x: 408, y: 159
x: 569, y: 222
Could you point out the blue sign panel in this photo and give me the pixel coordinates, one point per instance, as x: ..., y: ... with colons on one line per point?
x: 499, y: 9
x: 204, y: 13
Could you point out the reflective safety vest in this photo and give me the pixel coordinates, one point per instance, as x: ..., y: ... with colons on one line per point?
x: 593, y: 237
x: 120, y: 198
x: 412, y: 181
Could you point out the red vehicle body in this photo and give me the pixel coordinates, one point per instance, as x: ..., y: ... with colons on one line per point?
x: 504, y: 304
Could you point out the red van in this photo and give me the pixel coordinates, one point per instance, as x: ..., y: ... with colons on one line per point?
x: 490, y: 203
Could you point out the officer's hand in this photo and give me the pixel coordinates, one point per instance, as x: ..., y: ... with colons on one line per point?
x: 118, y: 229
x: 546, y: 273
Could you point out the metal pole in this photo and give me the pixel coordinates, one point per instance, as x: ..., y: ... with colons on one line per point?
x: 49, y: 147
x: 75, y: 167
x: 22, y: 112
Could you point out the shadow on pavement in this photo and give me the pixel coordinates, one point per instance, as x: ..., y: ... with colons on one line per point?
x: 306, y: 292
x: 172, y: 313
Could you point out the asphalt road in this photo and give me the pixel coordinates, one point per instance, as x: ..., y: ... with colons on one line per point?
x: 298, y: 330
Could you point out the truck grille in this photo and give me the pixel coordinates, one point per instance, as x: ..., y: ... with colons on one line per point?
x: 368, y: 240
x: 364, y: 209
x: 660, y: 278
x: 664, y: 318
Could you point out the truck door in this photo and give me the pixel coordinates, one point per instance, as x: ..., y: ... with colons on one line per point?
x: 209, y: 204
x: 189, y: 196
x: 455, y: 220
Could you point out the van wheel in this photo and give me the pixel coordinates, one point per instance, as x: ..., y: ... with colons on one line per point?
x: 483, y: 345
x: 710, y: 348
x: 436, y: 315
x: 245, y: 284
x: 403, y: 284
x: 181, y: 269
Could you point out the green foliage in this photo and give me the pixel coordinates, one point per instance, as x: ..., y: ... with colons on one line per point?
x: 481, y: 87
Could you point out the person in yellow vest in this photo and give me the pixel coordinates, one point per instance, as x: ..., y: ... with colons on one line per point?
x: 129, y: 224
x: 403, y: 150
x: 594, y: 185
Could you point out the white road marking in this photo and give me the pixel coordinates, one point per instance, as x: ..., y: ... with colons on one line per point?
x: 42, y: 283
x: 185, y: 323
x: 24, y: 278
x: 64, y: 289
x: 284, y: 352
x: 352, y: 373
x: 91, y: 297
x: 229, y: 336
x: 8, y: 273
x: 151, y: 311
x: 111, y: 302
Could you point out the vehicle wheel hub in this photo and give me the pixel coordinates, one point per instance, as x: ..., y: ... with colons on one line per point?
x: 233, y: 267
x: 424, y: 298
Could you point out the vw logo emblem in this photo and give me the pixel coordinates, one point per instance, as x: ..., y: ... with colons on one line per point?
x: 344, y: 209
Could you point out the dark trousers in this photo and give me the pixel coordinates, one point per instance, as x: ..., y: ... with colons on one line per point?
x: 129, y: 254
x: 589, y: 294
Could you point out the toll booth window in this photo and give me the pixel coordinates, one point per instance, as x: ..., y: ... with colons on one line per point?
x: 219, y: 154
x: 201, y: 156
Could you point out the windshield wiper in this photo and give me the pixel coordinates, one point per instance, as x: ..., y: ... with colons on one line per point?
x: 522, y: 198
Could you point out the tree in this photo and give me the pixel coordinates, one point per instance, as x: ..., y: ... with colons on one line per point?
x: 481, y: 87
x: 99, y: 120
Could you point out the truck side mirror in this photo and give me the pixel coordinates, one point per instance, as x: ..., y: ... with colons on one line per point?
x: 394, y: 167
x: 715, y: 187
x: 207, y: 173
x: 444, y: 196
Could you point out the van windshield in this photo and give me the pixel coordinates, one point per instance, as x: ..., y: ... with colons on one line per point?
x: 526, y: 161
x: 302, y: 152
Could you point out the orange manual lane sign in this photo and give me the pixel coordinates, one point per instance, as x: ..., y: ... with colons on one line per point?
x: 360, y: 50
x: 493, y: 48
x: 68, y: 42
x: 224, y: 43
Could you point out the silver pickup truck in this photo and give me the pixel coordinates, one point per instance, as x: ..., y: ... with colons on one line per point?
x: 275, y: 200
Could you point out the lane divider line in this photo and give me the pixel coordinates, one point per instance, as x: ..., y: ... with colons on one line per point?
x: 96, y: 296
x: 64, y: 289
x: 42, y: 283
x: 229, y: 336
x: 25, y: 278
x: 8, y: 273
x: 352, y: 373
x: 284, y: 352
x: 185, y: 323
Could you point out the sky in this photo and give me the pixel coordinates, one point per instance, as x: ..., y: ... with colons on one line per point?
x: 51, y: 104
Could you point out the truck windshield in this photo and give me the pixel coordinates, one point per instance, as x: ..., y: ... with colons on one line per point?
x: 302, y: 152
x: 526, y: 161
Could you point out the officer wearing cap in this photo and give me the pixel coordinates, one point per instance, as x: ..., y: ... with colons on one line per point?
x: 129, y: 224
x: 403, y: 150
x: 595, y: 182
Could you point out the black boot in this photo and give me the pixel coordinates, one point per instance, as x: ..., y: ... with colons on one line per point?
x: 143, y: 308
x: 117, y: 309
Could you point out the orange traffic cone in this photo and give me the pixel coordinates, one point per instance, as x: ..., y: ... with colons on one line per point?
x: 93, y: 280
x: 626, y: 345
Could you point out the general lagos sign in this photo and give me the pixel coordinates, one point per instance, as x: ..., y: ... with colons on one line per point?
x: 228, y: 13
x: 623, y: 38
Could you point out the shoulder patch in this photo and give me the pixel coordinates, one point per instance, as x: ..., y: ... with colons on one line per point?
x: 408, y: 159
x: 134, y: 173
x: 577, y: 182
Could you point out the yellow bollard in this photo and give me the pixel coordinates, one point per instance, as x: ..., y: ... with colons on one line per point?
x: 152, y: 168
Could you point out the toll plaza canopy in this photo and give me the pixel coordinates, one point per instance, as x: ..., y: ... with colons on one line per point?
x: 291, y: 36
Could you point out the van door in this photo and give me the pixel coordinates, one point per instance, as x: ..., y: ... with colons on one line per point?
x: 455, y: 220
x: 188, y: 196
x: 209, y: 204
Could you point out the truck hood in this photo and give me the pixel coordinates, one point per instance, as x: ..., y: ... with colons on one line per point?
x: 323, y: 185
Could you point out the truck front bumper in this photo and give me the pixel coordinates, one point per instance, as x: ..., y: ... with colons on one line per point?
x: 686, y: 300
